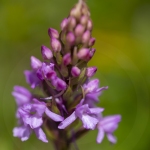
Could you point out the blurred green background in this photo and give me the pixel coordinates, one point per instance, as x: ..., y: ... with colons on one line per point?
x: 122, y: 31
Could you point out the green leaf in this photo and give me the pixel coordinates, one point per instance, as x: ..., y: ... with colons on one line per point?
x: 64, y: 71
x: 68, y: 93
x: 58, y: 58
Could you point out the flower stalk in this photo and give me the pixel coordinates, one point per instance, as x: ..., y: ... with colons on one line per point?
x: 69, y: 95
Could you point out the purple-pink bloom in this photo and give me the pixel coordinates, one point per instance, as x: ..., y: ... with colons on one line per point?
x: 23, y: 132
x: 31, y: 114
x: 30, y: 119
x: 87, y: 115
x: 92, y: 91
x: 108, y: 125
x: 46, y: 71
x: 64, y: 80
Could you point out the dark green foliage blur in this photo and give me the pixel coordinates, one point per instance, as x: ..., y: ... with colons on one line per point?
x: 122, y: 31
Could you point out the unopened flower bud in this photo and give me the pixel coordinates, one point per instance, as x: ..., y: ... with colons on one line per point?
x: 56, y: 45
x: 83, y: 54
x: 79, y: 30
x: 76, y: 11
x: 64, y: 24
x: 85, y: 11
x: 91, y: 53
x: 67, y: 59
x: 70, y: 38
x: 71, y: 23
x: 90, y: 71
x: 86, y: 37
x: 46, y: 52
x: 91, y: 41
x: 50, y: 75
x: 59, y: 84
x: 84, y: 20
x: 53, y: 33
x: 75, y: 71
x: 89, y: 25
x: 35, y: 63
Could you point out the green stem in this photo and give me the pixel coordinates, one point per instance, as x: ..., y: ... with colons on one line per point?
x: 61, y: 142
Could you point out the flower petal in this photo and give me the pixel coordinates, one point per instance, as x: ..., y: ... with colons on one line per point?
x: 110, y: 123
x: 111, y: 138
x: 101, y: 89
x: 22, y: 95
x: 83, y: 109
x: 53, y: 116
x: 100, y: 135
x: 40, y: 135
x: 38, y: 107
x: 92, y: 85
x: 36, y: 122
x: 96, y: 110
x: 59, y: 84
x: 67, y: 121
x: 22, y: 132
x: 113, y: 118
x: 31, y: 78
x: 33, y: 121
x: 35, y: 63
x: 22, y: 90
x: 89, y: 122
x: 20, y: 98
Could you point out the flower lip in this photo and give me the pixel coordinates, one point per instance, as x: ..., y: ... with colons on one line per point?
x: 108, y: 125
